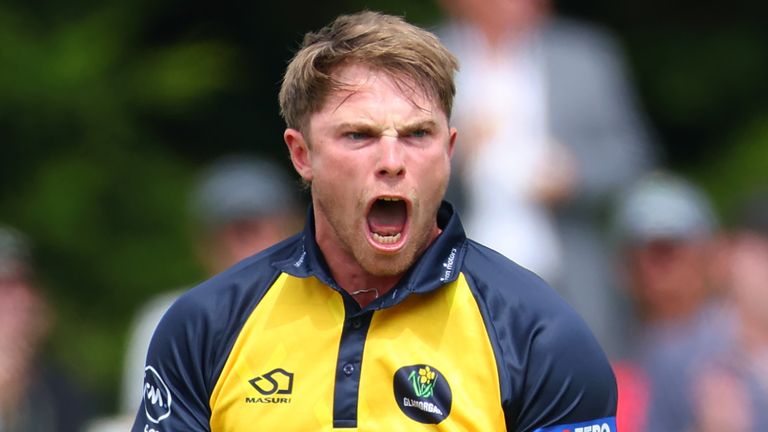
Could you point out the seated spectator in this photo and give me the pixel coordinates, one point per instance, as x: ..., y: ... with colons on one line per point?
x: 667, y: 240
x: 730, y: 383
x: 34, y: 397
x: 240, y: 205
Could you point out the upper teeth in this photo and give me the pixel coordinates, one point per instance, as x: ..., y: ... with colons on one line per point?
x: 389, y: 199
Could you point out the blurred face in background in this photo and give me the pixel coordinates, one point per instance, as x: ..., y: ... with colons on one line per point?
x: 669, y: 278
x: 499, y: 17
x: 748, y: 276
x: 22, y: 308
x: 24, y: 322
x: 236, y: 240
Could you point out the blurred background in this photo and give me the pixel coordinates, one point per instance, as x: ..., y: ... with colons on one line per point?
x: 109, y: 109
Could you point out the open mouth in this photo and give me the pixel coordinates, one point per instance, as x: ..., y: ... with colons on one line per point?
x: 387, y: 220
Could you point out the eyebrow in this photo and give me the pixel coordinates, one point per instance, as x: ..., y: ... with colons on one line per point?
x: 415, y: 126
x: 373, y: 129
x: 366, y: 127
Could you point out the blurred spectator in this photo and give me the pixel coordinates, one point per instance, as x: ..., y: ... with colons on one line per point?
x: 666, y: 227
x: 241, y: 205
x: 548, y: 134
x: 667, y: 234
x: 730, y: 385
x: 33, y: 396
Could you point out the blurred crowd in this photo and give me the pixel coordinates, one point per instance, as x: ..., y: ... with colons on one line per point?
x: 34, y: 395
x: 556, y: 168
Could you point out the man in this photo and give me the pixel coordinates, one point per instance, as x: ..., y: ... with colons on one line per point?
x: 380, y: 315
x: 551, y: 135
x: 730, y: 381
x: 239, y: 205
x: 34, y: 394
x: 667, y: 239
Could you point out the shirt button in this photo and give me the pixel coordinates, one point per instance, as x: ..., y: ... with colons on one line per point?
x: 348, y: 369
x: 356, y: 324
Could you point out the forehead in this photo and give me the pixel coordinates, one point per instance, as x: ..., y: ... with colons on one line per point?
x: 362, y: 88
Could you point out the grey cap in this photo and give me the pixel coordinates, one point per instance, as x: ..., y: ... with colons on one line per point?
x: 15, y: 252
x: 237, y: 187
x: 664, y: 206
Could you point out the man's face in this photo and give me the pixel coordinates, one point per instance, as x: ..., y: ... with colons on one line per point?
x: 748, y: 275
x: 669, y: 276
x: 378, y: 161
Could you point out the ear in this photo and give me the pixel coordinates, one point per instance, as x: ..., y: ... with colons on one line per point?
x: 301, y: 155
x: 452, y: 141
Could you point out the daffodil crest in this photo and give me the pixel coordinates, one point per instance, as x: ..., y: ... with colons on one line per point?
x: 424, y: 382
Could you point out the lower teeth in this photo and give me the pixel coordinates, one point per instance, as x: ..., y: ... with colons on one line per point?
x: 387, y: 239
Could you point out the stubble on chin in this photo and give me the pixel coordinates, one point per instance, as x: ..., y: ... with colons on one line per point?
x: 384, y: 265
x: 352, y: 238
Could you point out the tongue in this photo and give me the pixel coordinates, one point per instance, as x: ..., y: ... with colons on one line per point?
x: 387, y: 217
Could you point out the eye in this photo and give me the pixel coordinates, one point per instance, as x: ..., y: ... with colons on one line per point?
x: 419, y: 133
x: 357, y: 136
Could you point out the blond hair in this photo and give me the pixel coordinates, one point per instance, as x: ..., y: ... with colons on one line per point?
x: 413, y: 57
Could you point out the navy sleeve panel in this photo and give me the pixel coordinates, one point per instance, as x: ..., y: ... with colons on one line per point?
x: 551, y: 368
x: 192, y: 342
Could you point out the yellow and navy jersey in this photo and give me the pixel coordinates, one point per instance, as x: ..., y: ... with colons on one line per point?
x: 466, y: 341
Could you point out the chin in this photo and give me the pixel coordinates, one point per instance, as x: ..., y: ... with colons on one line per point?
x: 387, y: 265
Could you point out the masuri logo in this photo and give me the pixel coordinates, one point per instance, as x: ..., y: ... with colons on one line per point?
x: 275, y: 382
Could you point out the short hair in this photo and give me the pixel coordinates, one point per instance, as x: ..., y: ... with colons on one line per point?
x: 410, y: 55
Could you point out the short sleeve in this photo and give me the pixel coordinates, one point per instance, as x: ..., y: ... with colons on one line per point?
x: 568, y: 383
x: 176, y: 388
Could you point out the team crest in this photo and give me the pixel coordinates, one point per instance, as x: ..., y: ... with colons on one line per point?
x: 422, y: 393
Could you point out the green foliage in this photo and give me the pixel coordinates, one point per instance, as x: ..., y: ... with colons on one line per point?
x: 85, y: 176
x: 739, y: 169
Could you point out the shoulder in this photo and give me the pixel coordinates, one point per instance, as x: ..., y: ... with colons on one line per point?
x: 192, y: 341
x: 511, y: 287
x: 208, y: 317
x: 576, y: 33
x: 516, y: 296
x: 522, y: 304
x: 550, y: 363
x: 239, y: 284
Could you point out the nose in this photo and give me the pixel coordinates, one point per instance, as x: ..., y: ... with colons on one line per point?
x: 391, y: 161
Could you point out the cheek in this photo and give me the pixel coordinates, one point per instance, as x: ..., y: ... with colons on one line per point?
x: 328, y: 172
x: 435, y: 173
x: 339, y: 164
x: 337, y: 188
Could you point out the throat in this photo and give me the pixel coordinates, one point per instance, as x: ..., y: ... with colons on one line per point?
x: 387, y: 219
x: 365, y: 288
x: 364, y: 297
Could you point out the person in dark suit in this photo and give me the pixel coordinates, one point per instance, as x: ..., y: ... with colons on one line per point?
x: 552, y: 134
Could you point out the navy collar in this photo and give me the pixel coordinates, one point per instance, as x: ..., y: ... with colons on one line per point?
x: 438, y: 265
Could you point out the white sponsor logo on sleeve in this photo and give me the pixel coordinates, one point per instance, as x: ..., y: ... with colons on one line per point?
x: 157, y: 396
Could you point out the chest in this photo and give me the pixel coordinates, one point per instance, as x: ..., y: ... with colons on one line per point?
x: 302, y: 362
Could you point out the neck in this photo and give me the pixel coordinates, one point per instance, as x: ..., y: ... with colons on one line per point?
x: 361, y: 285
x: 349, y: 274
x: 345, y: 269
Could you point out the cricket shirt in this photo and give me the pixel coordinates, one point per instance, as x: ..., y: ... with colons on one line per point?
x: 466, y: 341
